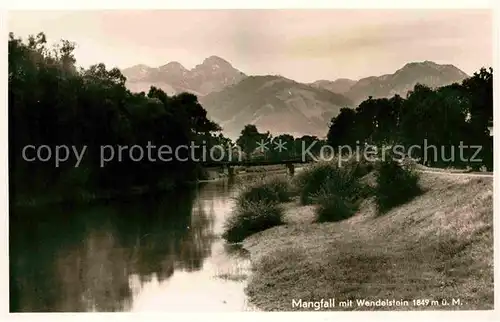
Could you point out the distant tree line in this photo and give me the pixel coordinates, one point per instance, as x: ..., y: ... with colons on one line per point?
x: 262, y: 145
x: 444, y: 117
x: 52, y: 102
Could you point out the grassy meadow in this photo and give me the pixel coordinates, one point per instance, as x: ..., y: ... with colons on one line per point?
x: 367, y: 231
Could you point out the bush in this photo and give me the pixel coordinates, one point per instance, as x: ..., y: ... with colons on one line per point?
x: 311, y: 179
x: 345, y: 184
x: 270, y: 189
x: 331, y: 208
x: 396, y: 184
x: 251, y: 217
x: 359, y: 166
x: 339, y: 195
x: 328, y: 178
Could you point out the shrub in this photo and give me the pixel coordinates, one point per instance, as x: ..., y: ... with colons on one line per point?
x: 396, y: 184
x: 328, y: 178
x: 333, y: 208
x: 266, y: 189
x: 358, y: 166
x: 251, y: 217
x: 310, y: 180
x: 345, y: 184
x: 270, y: 189
x: 339, y: 196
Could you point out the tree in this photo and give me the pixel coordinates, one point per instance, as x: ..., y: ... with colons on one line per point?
x: 443, y: 117
x: 248, y: 138
x: 52, y: 103
x: 308, y: 143
x: 479, y: 92
x: 342, y: 127
x: 282, y: 147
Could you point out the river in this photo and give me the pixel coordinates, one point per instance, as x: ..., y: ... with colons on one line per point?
x: 156, y: 253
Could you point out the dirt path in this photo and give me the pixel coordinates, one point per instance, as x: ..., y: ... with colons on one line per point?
x: 466, y: 174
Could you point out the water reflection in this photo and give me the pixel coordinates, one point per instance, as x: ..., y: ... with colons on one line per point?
x: 155, y: 253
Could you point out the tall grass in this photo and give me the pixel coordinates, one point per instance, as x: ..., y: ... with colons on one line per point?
x: 251, y: 217
x: 310, y: 180
x: 339, y: 195
x: 332, y: 207
x: 328, y: 178
x: 257, y: 207
x: 336, y: 189
x: 358, y: 165
x: 265, y: 189
x: 396, y: 184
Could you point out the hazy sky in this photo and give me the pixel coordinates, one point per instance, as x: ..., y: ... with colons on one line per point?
x: 302, y: 45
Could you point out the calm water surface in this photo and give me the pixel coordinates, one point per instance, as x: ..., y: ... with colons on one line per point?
x: 160, y: 253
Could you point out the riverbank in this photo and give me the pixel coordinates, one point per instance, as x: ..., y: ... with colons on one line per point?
x: 439, y: 246
x: 216, y: 174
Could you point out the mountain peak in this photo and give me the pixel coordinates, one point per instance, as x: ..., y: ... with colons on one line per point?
x: 428, y: 64
x: 173, y: 66
x: 136, y: 72
x: 404, y: 79
x: 139, y: 67
x: 340, y: 85
x: 215, y: 60
x: 421, y: 63
x: 447, y: 68
x: 274, y: 103
x: 213, y: 74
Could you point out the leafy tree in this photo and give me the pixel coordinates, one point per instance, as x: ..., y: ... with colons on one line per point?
x: 443, y: 117
x: 53, y: 103
x: 341, y: 131
x: 282, y: 147
x: 308, y: 143
x: 250, y: 138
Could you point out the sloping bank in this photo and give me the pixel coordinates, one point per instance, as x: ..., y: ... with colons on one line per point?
x: 437, y: 248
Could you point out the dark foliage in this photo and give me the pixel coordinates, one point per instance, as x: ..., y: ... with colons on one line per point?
x: 53, y: 103
x: 396, y: 185
x: 268, y: 190
x: 444, y: 117
x: 250, y: 218
x: 333, y: 208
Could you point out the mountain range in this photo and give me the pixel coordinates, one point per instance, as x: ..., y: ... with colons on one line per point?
x: 278, y: 104
x: 274, y: 103
x: 404, y: 79
x: 212, y: 75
